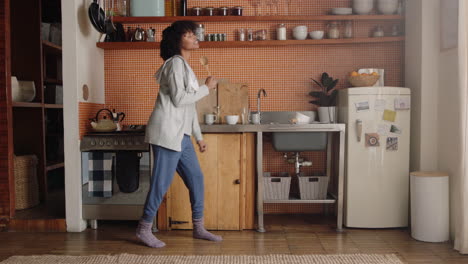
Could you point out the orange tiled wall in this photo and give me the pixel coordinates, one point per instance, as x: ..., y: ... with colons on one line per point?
x: 285, y: 72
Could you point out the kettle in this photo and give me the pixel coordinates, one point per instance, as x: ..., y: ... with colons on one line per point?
x: 104, y: 124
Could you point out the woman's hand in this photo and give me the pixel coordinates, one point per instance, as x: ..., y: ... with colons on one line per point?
x: 211, y: 82
x: 201, y: 145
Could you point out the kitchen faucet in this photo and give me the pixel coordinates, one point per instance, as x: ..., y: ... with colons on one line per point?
x: 259, y: 94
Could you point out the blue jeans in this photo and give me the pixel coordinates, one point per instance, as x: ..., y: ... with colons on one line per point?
x: 166, y: 163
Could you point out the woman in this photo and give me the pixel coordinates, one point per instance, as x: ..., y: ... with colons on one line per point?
x: 173, y: 119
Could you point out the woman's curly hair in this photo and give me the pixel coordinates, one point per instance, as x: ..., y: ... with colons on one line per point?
x: 172, y: 37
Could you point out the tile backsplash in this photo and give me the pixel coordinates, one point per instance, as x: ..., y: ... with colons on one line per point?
x: 285, y: 72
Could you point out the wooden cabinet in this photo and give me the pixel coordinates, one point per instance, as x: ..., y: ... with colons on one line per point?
x: 228, y: 166
x: 37, y: 126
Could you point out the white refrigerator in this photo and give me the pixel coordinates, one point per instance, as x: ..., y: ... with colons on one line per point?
x: 377, y: 155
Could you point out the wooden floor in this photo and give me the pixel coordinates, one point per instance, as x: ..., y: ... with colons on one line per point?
x: 290, y: 234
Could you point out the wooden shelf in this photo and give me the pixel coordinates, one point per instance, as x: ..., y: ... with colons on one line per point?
x: 53, y: 81
x: 242, y: 44
x: 53, y: 106
x: 147, y: 20
x: 52, y: 165
x: 27, y: 104
x: 51, y: 47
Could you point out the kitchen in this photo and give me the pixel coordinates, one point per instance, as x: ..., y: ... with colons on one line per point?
x: 123, y: 78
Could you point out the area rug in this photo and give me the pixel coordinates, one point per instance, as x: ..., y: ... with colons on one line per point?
x: 161, y: 259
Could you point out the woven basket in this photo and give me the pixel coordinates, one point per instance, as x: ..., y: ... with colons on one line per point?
x: 26, y: 187
x: 276, y: 188
x: 363, y: 80
x: 313, y: 187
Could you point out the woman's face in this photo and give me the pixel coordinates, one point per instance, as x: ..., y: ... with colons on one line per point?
x: 189, y: 41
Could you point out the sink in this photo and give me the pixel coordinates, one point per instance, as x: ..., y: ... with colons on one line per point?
x: 294, y: 141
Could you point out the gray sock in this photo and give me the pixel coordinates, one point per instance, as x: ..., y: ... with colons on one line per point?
x: 200, y: 232
x: 144, y: 233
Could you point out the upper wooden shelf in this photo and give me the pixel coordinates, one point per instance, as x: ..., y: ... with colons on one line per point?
x: 27, y: 104
x: 241, y: 44
x: 170, y: 19
x: 53, y: 106
x: 51, y: 47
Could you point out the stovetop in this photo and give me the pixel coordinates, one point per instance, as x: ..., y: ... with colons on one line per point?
x: 130, y: 138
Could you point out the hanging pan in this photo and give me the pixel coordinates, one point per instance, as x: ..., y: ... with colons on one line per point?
x: 97, y: 16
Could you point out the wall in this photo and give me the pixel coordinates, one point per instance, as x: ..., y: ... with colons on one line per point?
x: 421, y: 75
x: 83, y: 64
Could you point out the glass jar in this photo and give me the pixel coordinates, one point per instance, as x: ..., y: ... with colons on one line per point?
x: 196, y: 11
x: 200, y: 32
x: 237, y: 11
x: 281, y: 32
x: 241, y: 34
x: 261, y: 34
x: 223, y: 11
x: 348, y: 29
x: 378, y: 32
x: 250, y: 36
x: 333, y: 30
x: 209, y: 11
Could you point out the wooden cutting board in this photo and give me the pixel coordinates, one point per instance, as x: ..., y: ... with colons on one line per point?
x: 231, y: 97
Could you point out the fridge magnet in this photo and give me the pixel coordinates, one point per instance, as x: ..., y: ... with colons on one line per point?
x: 402, y: 103
x: 372, y: 140
x: 383, y: 129
x: 395, y: 129
x: 392, y: 143
x: 362, y: 106
x: 380, y: 105
x: 389, y: 115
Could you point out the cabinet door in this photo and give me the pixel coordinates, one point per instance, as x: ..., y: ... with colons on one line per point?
x: 178, y: 201
x: 229, y: 177
x: 221, y: 167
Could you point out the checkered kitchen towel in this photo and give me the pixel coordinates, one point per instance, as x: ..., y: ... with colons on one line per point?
x: 100, y: 174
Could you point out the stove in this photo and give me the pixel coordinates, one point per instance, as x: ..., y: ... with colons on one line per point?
x: 131, y: 138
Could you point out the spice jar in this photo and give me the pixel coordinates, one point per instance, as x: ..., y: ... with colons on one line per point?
x: 250, y: 35
x: 209, y: 11
x: 348, y: 29
x: 241, y: 34
x: 378, y: 32
x: 200, y: 32
x: 223, y: 11
x: 333, y: 30
x: 237, y: 11
x: 196, y: 11
x: 281, y: 32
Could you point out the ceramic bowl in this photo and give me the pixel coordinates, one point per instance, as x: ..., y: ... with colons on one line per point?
x: 363, y: 7
x: 387, y: 7
x: 342, y: 11
x: 300, y: 35
x: 231, y: 119
x: 317, y: 34
x: 300, y: 29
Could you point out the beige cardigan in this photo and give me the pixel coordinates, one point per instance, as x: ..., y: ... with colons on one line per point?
x: 175, y: 104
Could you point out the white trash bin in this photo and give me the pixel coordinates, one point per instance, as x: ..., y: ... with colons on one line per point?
x: 429, y: 206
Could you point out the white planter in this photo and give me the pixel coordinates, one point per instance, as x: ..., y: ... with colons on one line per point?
x: 327, y: 114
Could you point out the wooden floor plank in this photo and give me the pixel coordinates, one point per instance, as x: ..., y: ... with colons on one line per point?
x: 289, y: 234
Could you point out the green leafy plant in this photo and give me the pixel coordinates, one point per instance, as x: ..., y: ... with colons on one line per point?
x: 327, y: 94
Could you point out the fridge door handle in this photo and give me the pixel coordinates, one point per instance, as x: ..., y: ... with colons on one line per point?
x: 358, y: 129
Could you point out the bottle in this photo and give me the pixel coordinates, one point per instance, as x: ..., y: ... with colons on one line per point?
x: 348, y: 29
x: 183, y: 8
x: 281, y: 32
x: 200, y: 32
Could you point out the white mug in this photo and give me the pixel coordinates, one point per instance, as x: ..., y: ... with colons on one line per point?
x: 210, y: 119
x: 255, y: 118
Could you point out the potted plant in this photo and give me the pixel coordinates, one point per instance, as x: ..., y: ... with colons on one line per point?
x: 325, y: 98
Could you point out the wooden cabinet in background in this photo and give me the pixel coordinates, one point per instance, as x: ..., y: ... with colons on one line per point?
x: 228, y: 166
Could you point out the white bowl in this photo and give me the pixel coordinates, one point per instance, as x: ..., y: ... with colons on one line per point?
x: 300, y: 29
x: 363, y: 7
x: 231, y: 119
x: 342, y: 11
x: 300, y: 35
x: 387, y: 7
x: 317, y: 34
